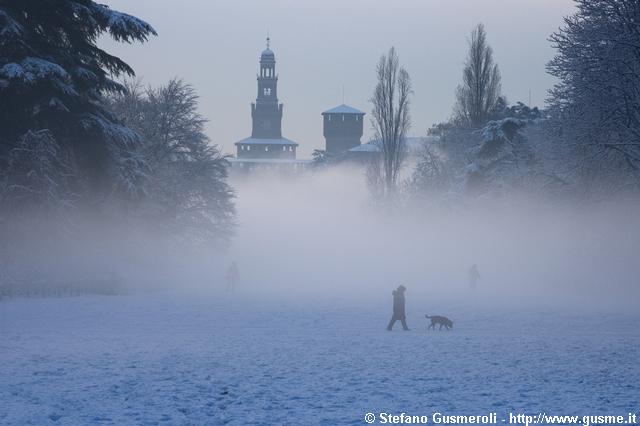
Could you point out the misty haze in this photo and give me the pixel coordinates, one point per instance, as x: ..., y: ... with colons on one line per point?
x: 271, y: 213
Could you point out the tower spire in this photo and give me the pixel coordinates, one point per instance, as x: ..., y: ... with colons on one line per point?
x: 268, y: 39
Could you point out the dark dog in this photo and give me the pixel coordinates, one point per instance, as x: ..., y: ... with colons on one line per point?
x: 437, y: 319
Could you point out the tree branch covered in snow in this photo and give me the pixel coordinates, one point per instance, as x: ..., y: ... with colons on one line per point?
x: 39, y: 176
x: 596, y: 105
x: 186, y: 184
x: 53, y: 74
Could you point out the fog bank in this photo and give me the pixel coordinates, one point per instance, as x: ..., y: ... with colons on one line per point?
x: 318, y: 237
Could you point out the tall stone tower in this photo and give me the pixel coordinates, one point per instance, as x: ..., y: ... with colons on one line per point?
x: 266, y: 112
x: 342, y: 128
x: 266, y: 141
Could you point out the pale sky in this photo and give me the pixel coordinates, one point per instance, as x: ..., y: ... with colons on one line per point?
x: 324, y: 46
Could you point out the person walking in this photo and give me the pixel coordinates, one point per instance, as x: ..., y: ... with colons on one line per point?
x: 233, y: 276
x: 474, y: 276
x: 398, y: 308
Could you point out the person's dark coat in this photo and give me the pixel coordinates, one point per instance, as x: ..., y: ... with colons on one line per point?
x: 398, y: 308
x: 398, y: 303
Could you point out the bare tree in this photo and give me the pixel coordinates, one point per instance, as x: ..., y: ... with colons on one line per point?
x: 479, y: 93
x: 186, y: 188
x: 391, y: 119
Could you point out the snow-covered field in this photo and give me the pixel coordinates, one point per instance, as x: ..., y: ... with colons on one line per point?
x: 194, y: 360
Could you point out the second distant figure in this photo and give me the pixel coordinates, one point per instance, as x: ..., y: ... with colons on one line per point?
x: 474, y: 276
x: 233, y: 276
x: 398, y: 308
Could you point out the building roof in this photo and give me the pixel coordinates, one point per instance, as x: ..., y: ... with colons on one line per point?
x: 269, y: 161
x: 261, y: 141
x: 366, y: 147
x: 413, y: 144
x: 343, y: 109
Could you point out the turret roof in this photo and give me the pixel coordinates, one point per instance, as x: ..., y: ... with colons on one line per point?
x: 343, y: 109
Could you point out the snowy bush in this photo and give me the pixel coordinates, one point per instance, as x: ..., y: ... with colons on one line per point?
x: 512, y: 154
x: 38, y: 176
x: 323, y: 159
x: 503, y: 158
x: 433, y: 178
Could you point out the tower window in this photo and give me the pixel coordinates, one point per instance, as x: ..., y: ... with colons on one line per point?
x: 329, y: 115
x: 284, y: 148
x: 248, y: 147
x: 266, y: 148
x: 342, y: 117
x: 357, y: 118
x: 290, y: 148
x: 267, y: 91
x: 241, y: 147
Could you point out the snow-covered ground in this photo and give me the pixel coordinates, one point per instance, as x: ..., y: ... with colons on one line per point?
x: 194, y: 360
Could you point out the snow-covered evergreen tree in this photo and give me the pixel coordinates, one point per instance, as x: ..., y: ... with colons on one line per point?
x: 52, y: 76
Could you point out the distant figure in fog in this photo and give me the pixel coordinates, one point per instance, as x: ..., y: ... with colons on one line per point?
x: 233, y: 276
x: 398, y: 308
x: 474, y: 276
